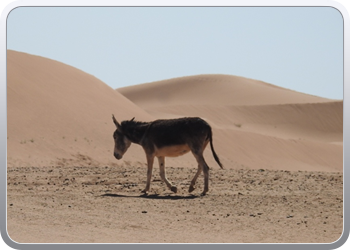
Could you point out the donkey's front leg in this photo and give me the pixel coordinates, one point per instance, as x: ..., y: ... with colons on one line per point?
x: 161, y: 160
x: 150, y: 159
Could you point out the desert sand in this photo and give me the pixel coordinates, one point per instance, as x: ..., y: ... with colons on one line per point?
x: 282, y: 153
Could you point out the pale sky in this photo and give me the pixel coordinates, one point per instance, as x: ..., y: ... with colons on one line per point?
x: 299, y: 48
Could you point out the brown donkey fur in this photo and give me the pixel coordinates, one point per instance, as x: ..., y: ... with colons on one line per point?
x: 167, y: 138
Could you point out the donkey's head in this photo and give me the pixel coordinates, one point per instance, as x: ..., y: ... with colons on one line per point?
x: 121, y: 142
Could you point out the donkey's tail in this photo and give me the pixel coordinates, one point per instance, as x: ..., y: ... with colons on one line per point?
x: 210, y: 135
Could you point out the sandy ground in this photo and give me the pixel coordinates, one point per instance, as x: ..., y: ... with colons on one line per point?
x: 282, y: 152
x: 104, y: 204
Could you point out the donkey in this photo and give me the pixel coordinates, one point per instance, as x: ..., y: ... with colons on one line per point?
x: 167, y: 138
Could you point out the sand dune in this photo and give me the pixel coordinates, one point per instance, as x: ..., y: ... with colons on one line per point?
x: 57, y: 111
x: 256, y: 125
x: 213, y: 89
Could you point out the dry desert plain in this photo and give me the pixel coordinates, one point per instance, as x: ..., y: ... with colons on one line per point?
x: 282, y: 153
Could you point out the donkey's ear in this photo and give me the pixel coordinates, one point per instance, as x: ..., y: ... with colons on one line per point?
x: 115, y: 122
x: 132, y: 119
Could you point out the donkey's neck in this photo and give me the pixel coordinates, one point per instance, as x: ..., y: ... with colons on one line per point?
x: 134, y: 131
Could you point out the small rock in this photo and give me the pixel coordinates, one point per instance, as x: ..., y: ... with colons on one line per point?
x: 144, y: 212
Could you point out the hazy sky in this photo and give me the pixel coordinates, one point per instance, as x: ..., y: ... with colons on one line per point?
x: 299, y: 48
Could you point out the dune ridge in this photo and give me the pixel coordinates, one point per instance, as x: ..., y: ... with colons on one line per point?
x: 213, y: 89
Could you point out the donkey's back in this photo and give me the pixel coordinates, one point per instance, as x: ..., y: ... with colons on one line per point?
x: 171, y: 132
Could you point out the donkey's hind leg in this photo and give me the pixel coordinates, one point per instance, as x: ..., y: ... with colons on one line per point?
x: 206, y: 176
x: 193, y: 182
x: 203, y: 165
x: 161, y: 160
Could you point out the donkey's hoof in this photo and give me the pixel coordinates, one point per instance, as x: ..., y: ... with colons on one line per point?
x: 191, y: 189
x: 144, y: 191
x: 205, y: 191
x: 174, y: 189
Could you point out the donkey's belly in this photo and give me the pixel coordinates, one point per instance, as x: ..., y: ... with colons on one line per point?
x: 172, y: 151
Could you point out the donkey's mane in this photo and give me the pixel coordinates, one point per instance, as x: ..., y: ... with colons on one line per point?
x: 134, y: 130
x: 132, y: 124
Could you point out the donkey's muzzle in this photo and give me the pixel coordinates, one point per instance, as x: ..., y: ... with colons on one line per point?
x: 118, y: 156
